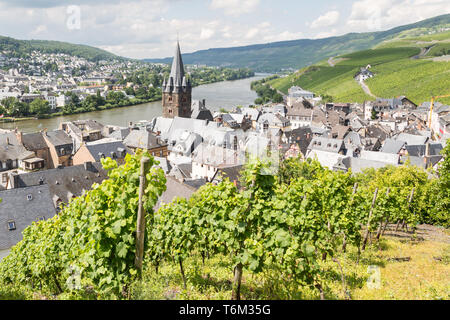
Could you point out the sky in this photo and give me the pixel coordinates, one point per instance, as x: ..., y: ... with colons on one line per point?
x: 150, y: 28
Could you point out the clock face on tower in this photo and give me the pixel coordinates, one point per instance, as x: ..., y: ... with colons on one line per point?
x: 177, y: 91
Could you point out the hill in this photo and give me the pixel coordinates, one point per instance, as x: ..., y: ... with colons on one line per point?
x: 402, y: 66
x: 273, y: 57
x: 21, y: 48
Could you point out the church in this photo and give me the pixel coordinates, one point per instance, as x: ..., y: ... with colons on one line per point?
x: 177, y: 90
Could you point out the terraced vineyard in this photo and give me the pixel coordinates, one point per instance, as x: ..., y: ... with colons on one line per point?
x: 396, y: 73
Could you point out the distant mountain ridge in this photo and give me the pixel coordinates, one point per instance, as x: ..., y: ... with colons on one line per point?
x: 275, y: 56
x: 24, y: 47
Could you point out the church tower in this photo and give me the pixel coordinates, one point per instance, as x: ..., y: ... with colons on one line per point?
x: 177, y: 91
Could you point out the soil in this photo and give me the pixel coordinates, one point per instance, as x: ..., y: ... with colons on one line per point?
x: 423, y: 232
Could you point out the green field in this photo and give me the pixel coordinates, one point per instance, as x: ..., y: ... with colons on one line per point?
x: 396, y: 73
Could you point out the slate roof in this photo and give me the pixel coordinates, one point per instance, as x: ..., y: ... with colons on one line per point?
x: 300, y: 136
x: 419, y: 150
x: 17, y: 207
x: 12, y: 149
x: 199, y: 111
x: 215, y: 156
x: 326, y: 144
x: 392, y: 146
x: 300, y: 108
x: 380, y: 156
x: 34, y: 141
x: 65, y: 182
x: 142, y: 139
x: 411, y: 139
x: 113, y: 150
x: 232, y: 173
x: 58, y: 138
x: 174, y: 189
x: 253, y: 113
x: 358, y: 165
x: 120, y: 134
x: 195, y: 183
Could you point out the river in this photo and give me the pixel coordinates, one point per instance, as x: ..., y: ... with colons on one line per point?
x: 227, y: 94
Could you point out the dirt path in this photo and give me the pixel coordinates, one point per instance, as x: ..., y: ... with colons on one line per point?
x: 331, y: 62
x: 366, y: 88
x: 423, y: 52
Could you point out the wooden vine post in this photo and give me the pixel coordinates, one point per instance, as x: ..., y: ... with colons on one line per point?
x: 409, y: 204
x: 368, y: 220
x: 140, y: 231
x: 380, y: 228
x: 344, y: 242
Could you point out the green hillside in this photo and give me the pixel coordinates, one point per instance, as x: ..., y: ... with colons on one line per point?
x: 21, y: 48
x: 273, y: 57
x: 396, y: 70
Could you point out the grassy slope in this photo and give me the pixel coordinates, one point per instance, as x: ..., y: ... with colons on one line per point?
x: 396, y: 73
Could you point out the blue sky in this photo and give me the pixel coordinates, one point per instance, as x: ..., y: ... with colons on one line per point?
x: 149, y: 28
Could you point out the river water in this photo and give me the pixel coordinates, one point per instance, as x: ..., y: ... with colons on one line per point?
x: 227, y: 94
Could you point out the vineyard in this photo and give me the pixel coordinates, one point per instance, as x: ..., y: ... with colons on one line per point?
x: 395, y: 72
x: 289, y: 236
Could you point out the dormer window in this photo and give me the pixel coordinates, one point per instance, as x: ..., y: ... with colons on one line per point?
x: 11, y: 225
x: 29, y: 197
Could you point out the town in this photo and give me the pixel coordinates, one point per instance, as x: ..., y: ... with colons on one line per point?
x: 44, y: 170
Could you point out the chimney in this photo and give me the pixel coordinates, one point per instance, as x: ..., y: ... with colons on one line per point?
x: 20, y: 136
x: 204, y: 102
x: 7, y: 141
x: 427, y: 155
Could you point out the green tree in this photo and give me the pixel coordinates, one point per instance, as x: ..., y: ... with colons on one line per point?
x: 40, y: 107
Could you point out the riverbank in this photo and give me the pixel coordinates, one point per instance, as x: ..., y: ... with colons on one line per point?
x: 226, y: 94
x: 107, y: 106
x: 133, y: 102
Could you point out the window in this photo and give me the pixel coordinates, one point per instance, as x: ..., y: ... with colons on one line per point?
x: 11, y: 225
x: 29, y: 197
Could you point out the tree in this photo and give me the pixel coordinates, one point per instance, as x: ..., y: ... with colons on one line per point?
x: 40, y: 107
x: 8, y: 104
x: 277, y: 98
x: 259, y: 101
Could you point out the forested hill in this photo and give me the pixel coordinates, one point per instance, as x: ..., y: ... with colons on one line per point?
x: 273, y: 57
x: 21, y: 48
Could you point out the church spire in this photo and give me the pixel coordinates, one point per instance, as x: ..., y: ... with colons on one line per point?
x: 177, y: 72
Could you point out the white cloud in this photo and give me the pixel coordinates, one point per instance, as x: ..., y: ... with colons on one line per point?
x: 252, y: 33
x: 235, y: 7
x: 327, y: 20
x: 369, y: 15
x: 206, y: 33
